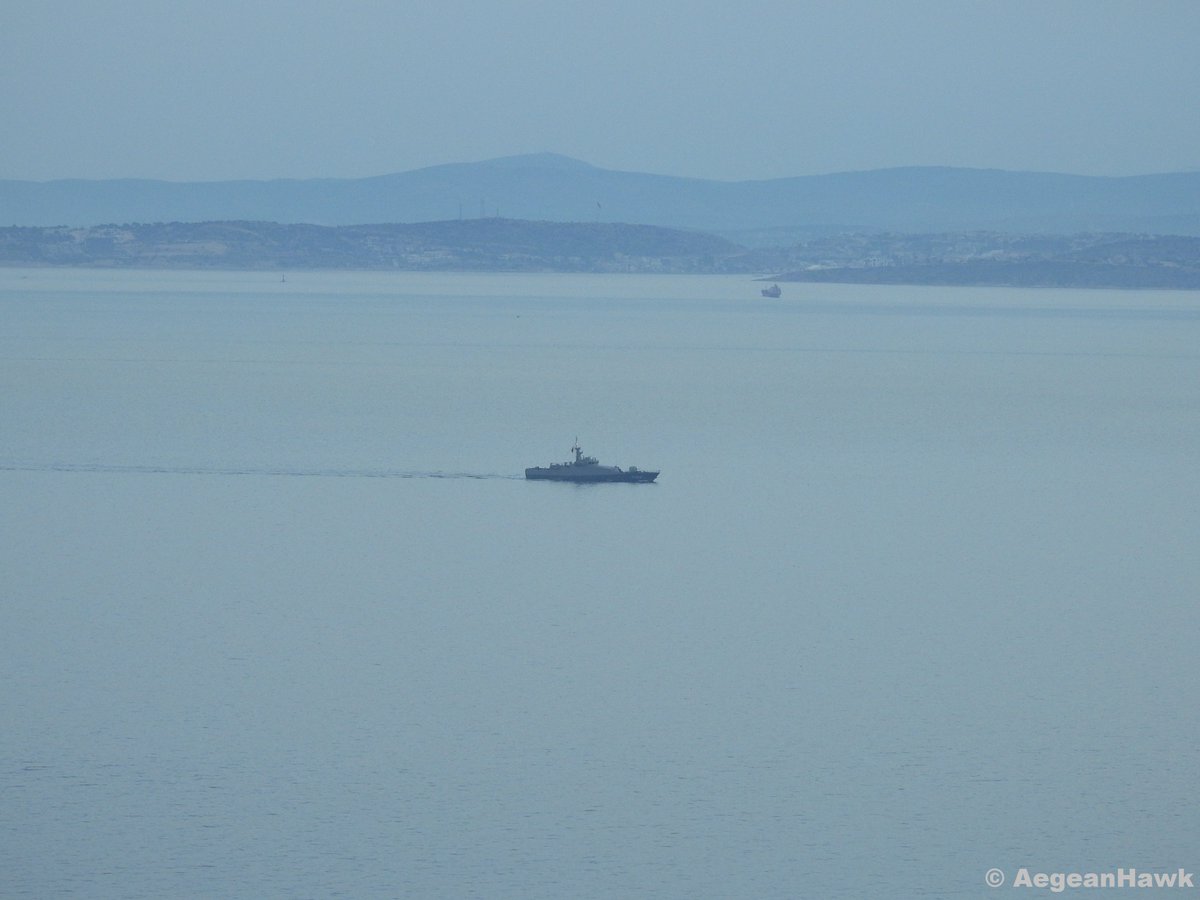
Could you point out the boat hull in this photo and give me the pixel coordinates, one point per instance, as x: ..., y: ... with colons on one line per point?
x: 558, y: 474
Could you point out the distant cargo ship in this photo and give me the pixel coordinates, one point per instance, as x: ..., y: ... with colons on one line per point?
x: 587, y: 469
x: 772, y: 291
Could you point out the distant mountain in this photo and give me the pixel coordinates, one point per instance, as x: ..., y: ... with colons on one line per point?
x: 549, y: 187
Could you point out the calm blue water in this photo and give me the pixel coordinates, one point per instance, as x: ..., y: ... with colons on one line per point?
x: 915, y: 595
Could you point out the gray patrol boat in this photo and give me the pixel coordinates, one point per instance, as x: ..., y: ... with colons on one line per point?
x: 587, y: 468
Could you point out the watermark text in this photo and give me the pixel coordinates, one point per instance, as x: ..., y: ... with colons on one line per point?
x: 1057, y: 882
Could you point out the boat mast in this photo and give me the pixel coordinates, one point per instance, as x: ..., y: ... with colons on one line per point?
x: 578, y: 453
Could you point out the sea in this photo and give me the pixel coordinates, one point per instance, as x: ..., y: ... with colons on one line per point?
x: 914, y: 598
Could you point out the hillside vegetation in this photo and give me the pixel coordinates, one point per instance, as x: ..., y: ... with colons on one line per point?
x: 468, y: 245
x: 507, y: 245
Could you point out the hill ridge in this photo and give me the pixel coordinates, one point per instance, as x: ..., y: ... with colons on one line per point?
x: 553, y: 187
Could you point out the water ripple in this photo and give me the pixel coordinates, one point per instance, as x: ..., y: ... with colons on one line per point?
x: 240, y: 470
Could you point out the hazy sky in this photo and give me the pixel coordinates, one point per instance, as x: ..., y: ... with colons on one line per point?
x: 218, y: 89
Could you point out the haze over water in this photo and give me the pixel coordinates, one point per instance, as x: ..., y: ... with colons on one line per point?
x: 913, y: 597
